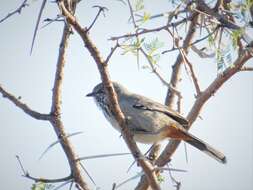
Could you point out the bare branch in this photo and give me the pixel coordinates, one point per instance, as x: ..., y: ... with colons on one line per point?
x: 37, y: 24
x: 56, y: 112
x: 132, y: 14
x: 101, y: 9
x: 27, y: 175
x: 157, y: 29
x: 174, y: 80
x: 111, y: 53
x: 176, y: 68
x: 193, y: 43
x: 23, y: 106
x: 202, y: 99
x: 246, y: 68
x: 203, y: 8
x: 193, y: 75
x: 50, y: 21
x: 18, y: 10
x: 103, y: 69
x: 201, y: 53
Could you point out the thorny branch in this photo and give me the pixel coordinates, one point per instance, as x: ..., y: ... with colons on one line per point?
x: 44, y: 180
x: 193, y: 75
x: 23, y: 106
x: 100, y: 10
x: 55, y: 116
x: 102, y: 67
x: 17, y: 11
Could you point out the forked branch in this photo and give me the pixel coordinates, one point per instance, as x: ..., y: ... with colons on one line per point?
x: 103, y: 69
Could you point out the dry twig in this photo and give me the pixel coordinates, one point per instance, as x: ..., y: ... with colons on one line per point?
x: 17, y: 11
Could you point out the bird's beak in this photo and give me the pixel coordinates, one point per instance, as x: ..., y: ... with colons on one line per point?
x: 90, y: 94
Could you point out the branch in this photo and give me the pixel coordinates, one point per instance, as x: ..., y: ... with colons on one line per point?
x: 44, y: 180
x: 132, y: 14
x: 203, y: 7
x: 56, y: 112
x: 103, y: 69
x: 246, y: 69
x: 18, y: 10
x: 202, y: 99
x: 192, y: 43
x: 154, y: 70
x: 37, y: 24
x: 157, y: 29
x: 101, y: 9
x: 176, y: 68
x: 22, y: 106
x: 174, y: 80
x: 111, y: 53
x: 201, y: 53
x: 193, y: 75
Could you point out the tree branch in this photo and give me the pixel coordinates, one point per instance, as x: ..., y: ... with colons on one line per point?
x: 157, y: 29
x: 202, y: 99
x: 56, y: 112
x: 174, y: 80
x: 18, y: 10
x: 176, y: 68
x: 24, y: 107
x: 246, y: 69
x: 101, y: 9
x: 193, y: 75
x: 202, y: 6
x: 103, y: 69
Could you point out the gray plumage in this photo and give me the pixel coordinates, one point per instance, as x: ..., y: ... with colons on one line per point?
x: 149, y: 121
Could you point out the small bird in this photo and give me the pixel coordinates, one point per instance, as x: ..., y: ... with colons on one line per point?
x: 149, y: 121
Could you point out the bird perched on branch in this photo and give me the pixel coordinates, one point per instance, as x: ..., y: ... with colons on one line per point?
x: 149, y: 121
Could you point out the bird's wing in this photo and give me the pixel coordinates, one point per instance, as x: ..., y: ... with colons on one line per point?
x: 144, y: 103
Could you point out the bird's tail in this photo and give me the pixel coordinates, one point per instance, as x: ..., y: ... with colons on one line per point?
x: 181, y: 134
x: 204, y: 147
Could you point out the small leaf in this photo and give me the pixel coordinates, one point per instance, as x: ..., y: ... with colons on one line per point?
x: 146, y: 17
x: 138, y: 5
x: 235, y: 36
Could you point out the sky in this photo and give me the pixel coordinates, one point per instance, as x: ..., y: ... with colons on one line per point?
x: 226, y: 124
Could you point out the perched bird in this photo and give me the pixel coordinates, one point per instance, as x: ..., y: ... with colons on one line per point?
x: 148, y: 120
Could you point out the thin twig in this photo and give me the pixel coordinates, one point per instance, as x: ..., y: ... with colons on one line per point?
x: 24, y: 107
x: 201, y: 53
x: 17, y: 11
x: 193, y: 75
x: 27, y: 175
x: 37, y: 24
x: 246, y: 68
x: 50, y: 21
x: 132, y: 14
x: 193, y: 43
x: 145, y: 31
x: 101, y: 9
x: 111, y: 52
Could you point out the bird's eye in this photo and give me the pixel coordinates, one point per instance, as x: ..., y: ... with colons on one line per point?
x: 101, y: 91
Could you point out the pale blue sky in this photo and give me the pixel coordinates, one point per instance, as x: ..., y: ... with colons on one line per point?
x: 227, y: 117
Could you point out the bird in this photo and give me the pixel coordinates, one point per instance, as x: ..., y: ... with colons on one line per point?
x: 149, y: 121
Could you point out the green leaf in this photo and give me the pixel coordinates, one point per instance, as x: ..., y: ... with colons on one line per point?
x: 146, y: 17
x: 39, y: 186
x: 210, y: 41
x: 42, y: 186
x: 153, y: 46
x: 160, y: 178
x: 235, y: 36
x: 138, y: 5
